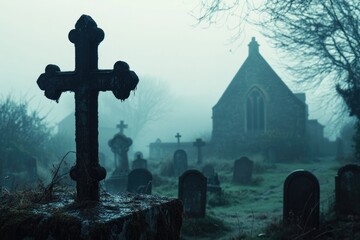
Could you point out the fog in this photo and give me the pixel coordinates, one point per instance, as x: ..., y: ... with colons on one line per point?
x: 159, y: 39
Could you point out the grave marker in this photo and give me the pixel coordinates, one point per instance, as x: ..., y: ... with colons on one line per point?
x: 140, y: 181
x: 121, y: 126
x: 243, y: 169
x: 180, y: 162
x: 139, y: 161
x: 199, y: 143
x: 213, y: 183
x: 178, y: 136
x: 301, y: 200
x: 192, y: 192
x: 86, y: 81
x: 347, y: 190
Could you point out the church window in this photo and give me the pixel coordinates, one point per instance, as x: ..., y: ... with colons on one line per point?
x: 255, y: 111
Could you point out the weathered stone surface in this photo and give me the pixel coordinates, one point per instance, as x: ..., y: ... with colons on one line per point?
x: 125, y: 216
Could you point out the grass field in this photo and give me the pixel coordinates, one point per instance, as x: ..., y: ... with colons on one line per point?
x: 242, y: 212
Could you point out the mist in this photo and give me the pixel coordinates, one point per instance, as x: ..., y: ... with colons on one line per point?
x: 160, y: 40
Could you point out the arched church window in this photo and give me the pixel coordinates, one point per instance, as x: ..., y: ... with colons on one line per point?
x: 255, y: 111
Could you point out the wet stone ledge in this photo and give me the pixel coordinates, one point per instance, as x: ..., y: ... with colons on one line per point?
x: 125, y: 216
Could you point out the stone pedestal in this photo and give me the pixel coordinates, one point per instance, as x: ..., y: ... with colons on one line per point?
x: 126, y: 216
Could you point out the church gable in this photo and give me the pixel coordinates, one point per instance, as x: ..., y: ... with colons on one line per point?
x: 255, y: 102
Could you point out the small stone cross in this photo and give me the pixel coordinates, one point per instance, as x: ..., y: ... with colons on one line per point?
x: 178, y: 136
x: 121, y: 126
x: 199, y: 143
x: 86, y: 81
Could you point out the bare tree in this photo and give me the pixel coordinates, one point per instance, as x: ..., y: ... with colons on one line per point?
x: 151, y: 101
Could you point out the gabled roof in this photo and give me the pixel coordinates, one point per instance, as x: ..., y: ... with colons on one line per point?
x: 256, y: 62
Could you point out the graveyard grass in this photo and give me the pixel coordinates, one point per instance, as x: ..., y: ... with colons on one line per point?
x: 245, y: 211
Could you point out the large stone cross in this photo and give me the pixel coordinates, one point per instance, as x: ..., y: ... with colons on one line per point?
x: 86, y: 82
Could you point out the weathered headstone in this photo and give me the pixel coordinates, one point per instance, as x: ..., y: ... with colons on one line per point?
x: 301, y: 200
x: 119, y: 145
x: 86, y: 81
x: 213, y: 183
x: 347, y: 190
x: 192, y: 192
x: 243, y: 169
x: 140, y: 181
x: 180, y: 162
x: 139, y: 161
x: 199, y: 143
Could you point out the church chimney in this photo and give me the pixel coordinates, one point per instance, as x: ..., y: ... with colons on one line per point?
x: 253, y: 47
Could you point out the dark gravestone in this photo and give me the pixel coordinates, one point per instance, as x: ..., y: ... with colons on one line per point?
x: 199, y: 143
x: 140, y: 181
x: 301, y: 200
x: 192, y: 192
x: 347, y: 190
x: 139, y: 161
x: 86, y: 82
x: 180, y: 162
x: 243, y: 169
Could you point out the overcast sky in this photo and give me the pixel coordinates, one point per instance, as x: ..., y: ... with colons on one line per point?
x: 156, y: 38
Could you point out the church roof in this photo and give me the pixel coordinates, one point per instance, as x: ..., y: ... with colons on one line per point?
x: 255, y: 66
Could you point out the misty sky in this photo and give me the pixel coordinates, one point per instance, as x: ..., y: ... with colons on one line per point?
x: 156, y: 38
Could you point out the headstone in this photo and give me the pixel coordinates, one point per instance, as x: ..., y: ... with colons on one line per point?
x: 119, y: 145
x: 347, y: 190
x: 192, y: 192
x: 301, y: 200
x: 139, y: 161
x: 199, y: 143
x: 86, y: 82
x: 243, y: 169
x: 180, y: 162
x: 140, y: 181
x: 213, y: 183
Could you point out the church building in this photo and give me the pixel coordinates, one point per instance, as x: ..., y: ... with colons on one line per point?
x: 258, y: 112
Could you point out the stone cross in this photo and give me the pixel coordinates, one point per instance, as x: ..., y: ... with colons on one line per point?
x: 178, y: 136
x: 121, y: 126
x: 199, y: 143
x: 86, y: 81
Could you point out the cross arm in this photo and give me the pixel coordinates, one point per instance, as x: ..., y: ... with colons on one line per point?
x: 54, y: 82
x: 121, y: 81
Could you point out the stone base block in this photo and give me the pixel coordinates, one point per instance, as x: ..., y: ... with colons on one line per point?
x: 125, y: 216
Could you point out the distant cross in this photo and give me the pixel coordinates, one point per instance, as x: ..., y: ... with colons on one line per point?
x: 86, y: 81
x: 178, y: 136
x: 121, y: 126
x: 199, y: 143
